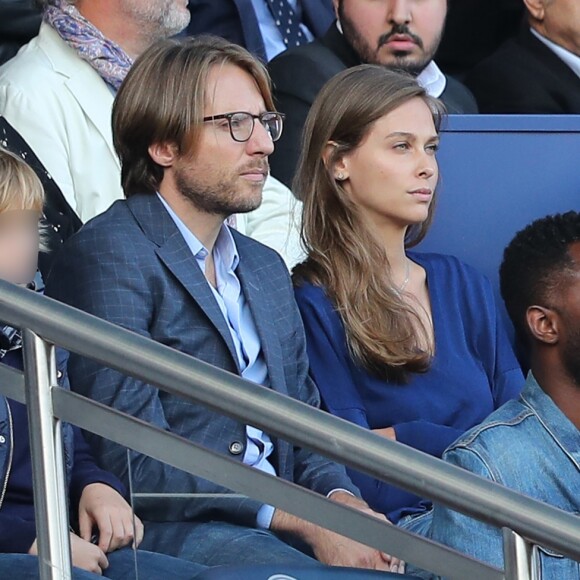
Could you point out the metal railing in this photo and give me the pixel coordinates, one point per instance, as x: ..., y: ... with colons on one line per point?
x: 276, y: 414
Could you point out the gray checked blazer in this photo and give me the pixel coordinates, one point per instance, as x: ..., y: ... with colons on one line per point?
x: 131, y: 266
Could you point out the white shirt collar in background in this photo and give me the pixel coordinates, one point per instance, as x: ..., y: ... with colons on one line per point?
x: 569, y: 58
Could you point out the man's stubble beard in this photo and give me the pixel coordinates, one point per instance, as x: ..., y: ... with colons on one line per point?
x: 368, y: 55
x: 221, y: 198
x: 159, y: 21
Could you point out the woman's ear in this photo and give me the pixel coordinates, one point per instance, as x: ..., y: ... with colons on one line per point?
x: 339, y: 167
x: 163, y: 154
x: 543, y: 324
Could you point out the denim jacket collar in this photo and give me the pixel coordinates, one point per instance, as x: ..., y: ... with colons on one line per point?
x: 562, y: 430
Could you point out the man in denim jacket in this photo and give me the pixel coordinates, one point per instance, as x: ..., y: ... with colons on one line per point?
x: 532, y: 444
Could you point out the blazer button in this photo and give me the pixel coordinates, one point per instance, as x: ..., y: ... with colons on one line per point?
x: 2, y: 439
x: 236, y: 447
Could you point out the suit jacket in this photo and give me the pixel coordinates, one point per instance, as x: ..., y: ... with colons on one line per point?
x: 473, y: 31
x: 299, y: 73
x: 236, y: 20
x: 62, y: 108
x: 525, y: 76
x: 131, y: 266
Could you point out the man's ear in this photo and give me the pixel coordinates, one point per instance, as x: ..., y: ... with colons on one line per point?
x: 339, y: 169
x: 536, y: 9
x: 543, y: 323
x: 335, y: 4
x: 163, y: 154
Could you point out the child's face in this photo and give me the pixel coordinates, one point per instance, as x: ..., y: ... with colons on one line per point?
x: 19, y: 240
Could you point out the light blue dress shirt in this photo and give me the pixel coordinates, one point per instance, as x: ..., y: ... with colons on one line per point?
x: 238, y: 316
x: 273, y: 43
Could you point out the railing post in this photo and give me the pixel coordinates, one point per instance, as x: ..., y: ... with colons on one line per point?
x: 518, y: 556
x: 50, y: 495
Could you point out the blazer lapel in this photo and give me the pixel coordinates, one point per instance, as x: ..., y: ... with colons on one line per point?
x: 87, y: 87
x: 251, y: 28
x: 318, y: 16
x: 260, y: 306
x: 562, y: 74
x: 172, y: 250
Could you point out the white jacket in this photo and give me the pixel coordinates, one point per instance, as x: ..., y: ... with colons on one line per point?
x: 62, y: 108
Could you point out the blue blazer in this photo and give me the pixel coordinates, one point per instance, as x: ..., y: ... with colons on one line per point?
x: 236, y: 20
x: 131, y: 266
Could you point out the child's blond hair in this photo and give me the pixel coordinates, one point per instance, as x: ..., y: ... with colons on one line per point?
x: 20, y: 187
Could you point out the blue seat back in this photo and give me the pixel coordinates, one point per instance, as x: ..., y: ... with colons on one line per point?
x: 499, y: 173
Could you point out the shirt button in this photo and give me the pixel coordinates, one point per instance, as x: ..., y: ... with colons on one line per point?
x: 2, y: 439
x: 59, y: 374
x: 236, y: 447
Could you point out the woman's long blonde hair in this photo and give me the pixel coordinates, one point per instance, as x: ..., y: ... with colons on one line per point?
x: 384, y: 333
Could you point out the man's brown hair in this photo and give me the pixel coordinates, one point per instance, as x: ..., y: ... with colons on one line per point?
x: 162, y: 100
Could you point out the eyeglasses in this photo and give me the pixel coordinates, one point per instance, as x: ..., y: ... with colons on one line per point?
x: 241, y: 124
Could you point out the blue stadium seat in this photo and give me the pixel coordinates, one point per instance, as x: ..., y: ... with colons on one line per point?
x: 499, y: 173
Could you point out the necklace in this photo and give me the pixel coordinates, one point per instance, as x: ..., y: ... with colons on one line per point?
x: 402, y: 287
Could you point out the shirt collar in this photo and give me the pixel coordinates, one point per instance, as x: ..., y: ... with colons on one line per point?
x: 225, y: 248
x: 552, y: 418
x: 431, y: 78
x: 569, y: 58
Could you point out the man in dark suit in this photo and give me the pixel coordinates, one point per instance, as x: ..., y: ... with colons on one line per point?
x: 251, y: 23
x: 399, y: 34
x: 539, y: 71
x: 474, y: 29
x: 164, y: 264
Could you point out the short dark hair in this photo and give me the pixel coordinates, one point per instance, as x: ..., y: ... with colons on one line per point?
x: 535, y: 263
x: 162, y: 99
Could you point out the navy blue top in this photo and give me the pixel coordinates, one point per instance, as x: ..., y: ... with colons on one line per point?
x: 473, y: 372
x: 17, y: 522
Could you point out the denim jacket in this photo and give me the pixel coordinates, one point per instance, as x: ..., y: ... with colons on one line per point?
x: 530, y: 446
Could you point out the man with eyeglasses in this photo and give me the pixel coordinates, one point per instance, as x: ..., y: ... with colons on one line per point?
x: 58, y: 92
x: 193, y: 126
